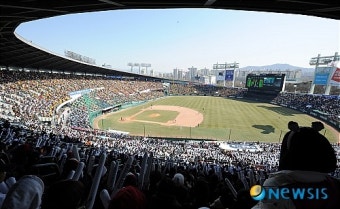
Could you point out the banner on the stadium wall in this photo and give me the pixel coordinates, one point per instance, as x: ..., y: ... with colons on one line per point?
x: 80, y: 92
x: 220, y: 76
x: 226, y: 75
x: 229, y: 75
x: 322, y: 74
x: 335, y: 78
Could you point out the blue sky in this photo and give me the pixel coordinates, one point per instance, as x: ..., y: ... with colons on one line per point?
x: 181, y: 38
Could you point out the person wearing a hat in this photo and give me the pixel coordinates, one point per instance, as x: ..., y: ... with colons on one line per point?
x: 306, y: 159
x: 26, y: 193
x: 129, y: 197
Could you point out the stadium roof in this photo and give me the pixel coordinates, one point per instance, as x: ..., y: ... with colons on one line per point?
x: 16, y: 52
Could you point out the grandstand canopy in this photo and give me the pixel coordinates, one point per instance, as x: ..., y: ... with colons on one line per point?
x: 15, y: 52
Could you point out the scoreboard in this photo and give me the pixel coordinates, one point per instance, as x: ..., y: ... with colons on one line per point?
x: 265, y: 83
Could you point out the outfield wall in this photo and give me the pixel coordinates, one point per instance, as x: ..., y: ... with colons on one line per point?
x: 325, y: 118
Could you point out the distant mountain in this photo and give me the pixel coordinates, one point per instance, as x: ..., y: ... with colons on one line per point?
x: 277, y: 67
x: 306, y: 73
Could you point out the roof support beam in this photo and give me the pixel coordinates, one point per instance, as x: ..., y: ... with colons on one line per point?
x: 32, y: 8
x: 113, y: 3
x: 209, y: 2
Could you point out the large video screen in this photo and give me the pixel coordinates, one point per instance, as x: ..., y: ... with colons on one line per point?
x: 265, y: 83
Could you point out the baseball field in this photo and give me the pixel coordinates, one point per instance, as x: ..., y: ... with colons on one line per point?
x: 208, y: 118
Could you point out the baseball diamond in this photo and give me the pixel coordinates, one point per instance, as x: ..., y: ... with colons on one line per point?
x: 204, y: 117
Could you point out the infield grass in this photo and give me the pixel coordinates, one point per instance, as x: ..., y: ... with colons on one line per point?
x: 224, y: 119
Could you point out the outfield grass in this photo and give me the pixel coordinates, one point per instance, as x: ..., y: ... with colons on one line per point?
x: 224, y: 119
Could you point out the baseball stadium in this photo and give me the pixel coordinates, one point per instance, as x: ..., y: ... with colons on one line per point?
x: 77, y: 135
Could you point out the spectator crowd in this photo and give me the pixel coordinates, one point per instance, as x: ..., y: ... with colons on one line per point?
x: 70, y: 165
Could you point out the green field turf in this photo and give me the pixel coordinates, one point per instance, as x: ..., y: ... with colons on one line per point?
x: 224, y: 119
